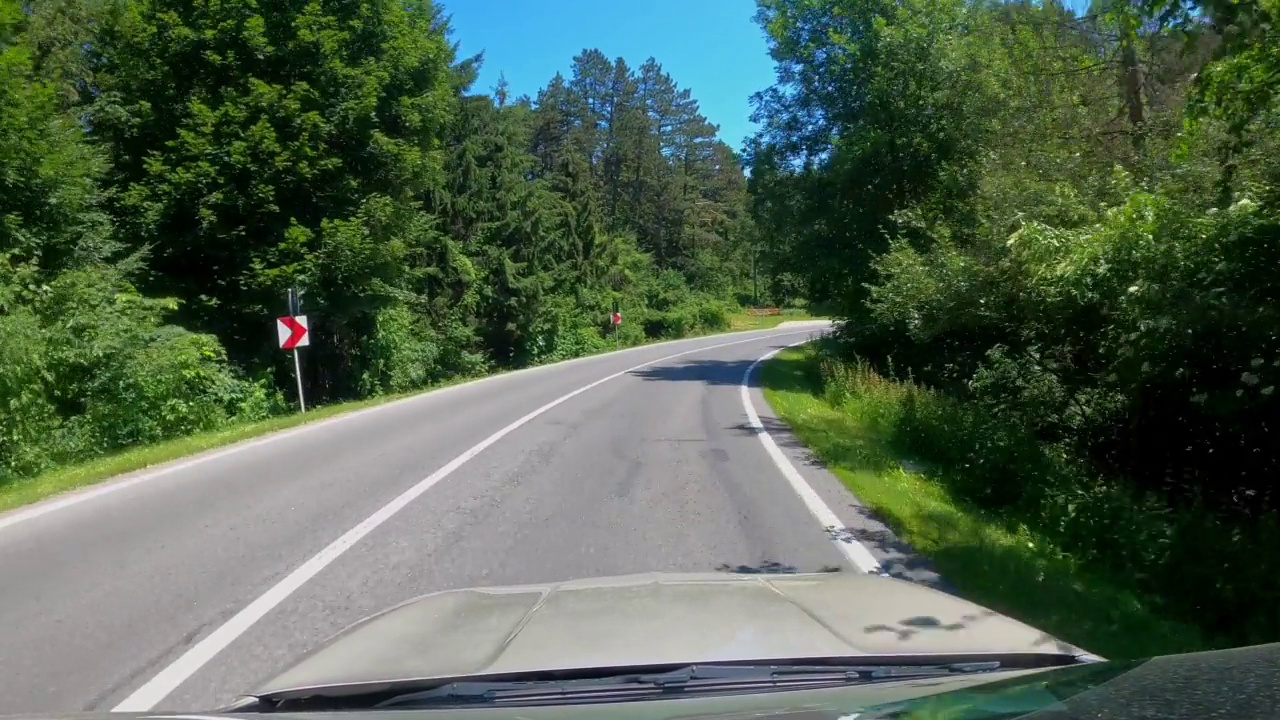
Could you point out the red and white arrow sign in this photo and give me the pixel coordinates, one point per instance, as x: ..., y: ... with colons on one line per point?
x: 292, y: 331
x: 615, y: 318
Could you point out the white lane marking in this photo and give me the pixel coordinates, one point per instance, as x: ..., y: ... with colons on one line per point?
x: 845, y: 542
x: 78, y: 496
x: 167, y: 680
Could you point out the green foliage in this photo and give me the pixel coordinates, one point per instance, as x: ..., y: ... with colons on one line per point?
x: 990, y: 459
x: 172, y: 167
x: 1063, y: 229
x: 843, y: 149
x: 1154, y: 327
x: 254, y: 148
x: 90, y: 367
x: 49, y: 214
x: 1077, y: 564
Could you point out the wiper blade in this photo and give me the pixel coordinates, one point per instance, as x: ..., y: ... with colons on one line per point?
x: 694, y: 678
x: 852, y: 672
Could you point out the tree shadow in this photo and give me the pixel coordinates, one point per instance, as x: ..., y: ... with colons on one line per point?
x: 782, y: 436
x: 703, y: 370
x: 1049, y: 592
x: 730, y: 373
x: 706, y: 371
x: 896, y: 557
x: 903, y: 629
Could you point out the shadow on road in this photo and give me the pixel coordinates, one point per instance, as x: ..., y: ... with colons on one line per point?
x: 782, y: 437
x: 729, y: 373
x: 898, y: 559
x: 895, y: 556
x: 706, y: 371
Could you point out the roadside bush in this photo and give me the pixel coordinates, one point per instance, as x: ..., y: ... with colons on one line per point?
x: 569, y: 340
x: 1079, y: 296
x: 712, y: 315
x: 402, y: 351
x: 175, y: 384
x: 669, y: 324
x: 1147, y: 342
x: 563, y: 329
x: 1192, y: 563
x: 88, y: 366
x: 695, y: 314
x: 30, y: 431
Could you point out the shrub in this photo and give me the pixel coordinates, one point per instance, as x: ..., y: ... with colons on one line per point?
x: 1194, y: 564
x: 88, y: 366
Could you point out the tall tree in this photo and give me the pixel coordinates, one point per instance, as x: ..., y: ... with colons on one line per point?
x: 256, y: 148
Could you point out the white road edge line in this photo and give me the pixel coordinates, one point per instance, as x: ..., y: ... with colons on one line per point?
x: 167, y: 680
x: 854, y: 551
x: 75, y: 497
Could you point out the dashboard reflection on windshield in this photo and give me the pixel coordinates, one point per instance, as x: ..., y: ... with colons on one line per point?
x: 1011, y: 698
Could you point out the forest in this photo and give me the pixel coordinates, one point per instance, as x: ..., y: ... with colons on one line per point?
x: 1064, y: 227
x: 169, y: 169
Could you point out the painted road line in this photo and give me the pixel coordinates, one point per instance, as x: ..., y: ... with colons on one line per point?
x: 106, y: 487
x: 854, y: 551
x: 167, y: 680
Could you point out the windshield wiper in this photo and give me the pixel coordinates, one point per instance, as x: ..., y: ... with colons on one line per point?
x: 694, y: 678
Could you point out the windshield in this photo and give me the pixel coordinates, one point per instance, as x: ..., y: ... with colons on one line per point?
x: 439, y: 356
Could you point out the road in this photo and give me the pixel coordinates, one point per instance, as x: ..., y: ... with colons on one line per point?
x: 182, y: 586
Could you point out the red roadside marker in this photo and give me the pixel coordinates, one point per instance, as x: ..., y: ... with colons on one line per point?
x: 292, y: 331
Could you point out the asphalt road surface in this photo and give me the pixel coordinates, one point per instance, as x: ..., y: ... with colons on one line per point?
x: 178, y: 588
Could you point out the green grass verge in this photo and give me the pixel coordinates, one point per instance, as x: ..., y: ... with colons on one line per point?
x: 72, y: 477
x: 743, y: 321
x: 1010, y: 571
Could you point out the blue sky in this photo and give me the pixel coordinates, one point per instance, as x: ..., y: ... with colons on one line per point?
x: 709, y: 46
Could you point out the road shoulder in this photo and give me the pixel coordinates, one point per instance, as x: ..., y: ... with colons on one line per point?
x: 895, y: 556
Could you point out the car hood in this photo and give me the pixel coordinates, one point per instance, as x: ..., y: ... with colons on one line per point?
x: 656, y: 619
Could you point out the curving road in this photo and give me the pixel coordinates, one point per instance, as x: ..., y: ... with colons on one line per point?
x: 179, y: 587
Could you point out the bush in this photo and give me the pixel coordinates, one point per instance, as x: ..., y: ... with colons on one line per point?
x: 177, y: 384
x: 711, y: 316
x: 1200, y: 567
x: 29, y: 433
x: 88, y: 366
x: 1145, y: 342
x: 402, y: 353
x: 695, y: 314
x: 564, y: 329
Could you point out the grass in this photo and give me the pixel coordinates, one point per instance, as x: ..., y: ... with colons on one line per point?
x: 744, y: 321
x: 72, y: 477
x: 1006, y: 569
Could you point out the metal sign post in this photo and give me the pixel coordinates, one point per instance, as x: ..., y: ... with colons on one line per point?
x: 293, y: 333
x: 615, y: 319
x: 297, y: 373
